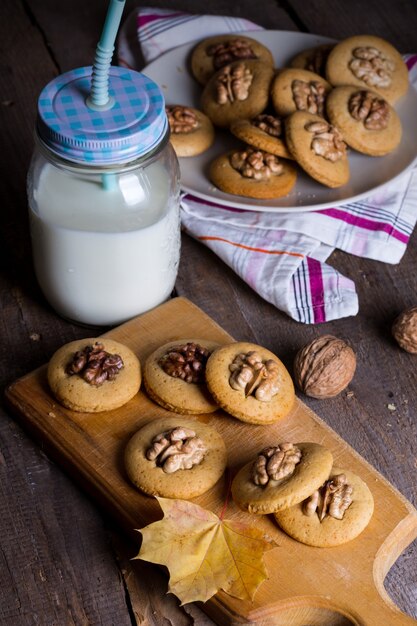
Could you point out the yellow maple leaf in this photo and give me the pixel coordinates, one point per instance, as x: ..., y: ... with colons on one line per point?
x: 204, y: 553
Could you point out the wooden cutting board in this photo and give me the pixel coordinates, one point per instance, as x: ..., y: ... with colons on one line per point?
x: 307, y: 586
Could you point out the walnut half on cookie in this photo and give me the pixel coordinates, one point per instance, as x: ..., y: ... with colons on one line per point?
x: 250, y: 383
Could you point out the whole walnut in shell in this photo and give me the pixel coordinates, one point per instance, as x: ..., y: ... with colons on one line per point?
x: 404, y: 330
x: 324, y: 367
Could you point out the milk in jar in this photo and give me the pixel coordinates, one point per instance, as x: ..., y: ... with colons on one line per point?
x: 103, y: 190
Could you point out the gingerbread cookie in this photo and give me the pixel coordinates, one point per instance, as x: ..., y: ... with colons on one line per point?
x: 92, y: 375
x: 237, y: 91
x: 318, y: 147
x: 299, y: 90
x: 252, y: 173
x: 371, y: 63
x: 213, y: 53
x: 334, y: 514
x: 313, y: 59
x: 174, y: 376
x: 174, y: 457
x: 265, y: 132
x: 369, y: 124
x: 281, y: 476
x: 191, y: 131
x: 250, y: 382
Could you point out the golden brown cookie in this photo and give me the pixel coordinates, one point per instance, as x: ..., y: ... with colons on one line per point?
x: 318, y: 147
x: 237, y: 91
x: 174, y: 457
x: 330, y: 524
x: 313, y: 59
x: 174, y: 376
x: 369, y: 124
x: 94, y: 374
x: 281, y: 476
x: 252, y: 173
x: 299, y: 90
x: 191, y: 131
x: 371, y: 63
x: 265, y: 132
x: 250, y: 382
x: 213, y: 53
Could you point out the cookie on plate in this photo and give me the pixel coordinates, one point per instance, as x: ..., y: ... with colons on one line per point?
x: 213, y: 53
x: 174, y: 457
x: 92, y: 375
x: 265, y: 132
x: 252, y: 173
x: 250, y: 382
x: 369, y: 124
x: 191, y: 130
x: 281, y: 476
x: 318, y: 147
x: 299, y: 90
x: 371, y: 63
x: 334, y: 514
x: 174, y: 376
x: 313, y: 59
x: 237, y: 91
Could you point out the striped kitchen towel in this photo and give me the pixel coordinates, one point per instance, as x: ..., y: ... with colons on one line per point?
x: 281, y: 255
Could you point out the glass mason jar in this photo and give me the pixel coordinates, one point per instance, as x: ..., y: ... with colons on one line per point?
x: 105, y: 231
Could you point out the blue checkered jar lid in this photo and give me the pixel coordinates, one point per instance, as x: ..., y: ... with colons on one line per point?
x: 131, y: 128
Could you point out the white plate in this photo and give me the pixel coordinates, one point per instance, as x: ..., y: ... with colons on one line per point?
x: 171, y: 72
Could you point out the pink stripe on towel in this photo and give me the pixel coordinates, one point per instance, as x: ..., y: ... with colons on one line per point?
x: 316, y: 290
x: 365, y: 223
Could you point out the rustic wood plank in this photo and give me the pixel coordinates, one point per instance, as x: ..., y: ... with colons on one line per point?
x: 391, y: 20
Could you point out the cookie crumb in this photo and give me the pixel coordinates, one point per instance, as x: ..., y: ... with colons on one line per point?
x: 391, y: 407
x: 35, y: 336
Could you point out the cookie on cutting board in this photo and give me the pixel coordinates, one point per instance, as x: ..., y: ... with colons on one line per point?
x: 250, y: 383
x: 175, y: 457
x: 281, y: 476
x: 325, y: 524
x: 174, y: 376
x: 94, y: 374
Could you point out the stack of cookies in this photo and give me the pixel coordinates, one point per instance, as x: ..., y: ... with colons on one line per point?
x: 312, y: 501
x: 330, y: 99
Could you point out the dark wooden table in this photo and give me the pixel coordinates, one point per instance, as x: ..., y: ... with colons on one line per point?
x: 62, y: 562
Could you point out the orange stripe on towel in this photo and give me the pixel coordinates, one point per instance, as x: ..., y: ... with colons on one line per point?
x: 240, y: 245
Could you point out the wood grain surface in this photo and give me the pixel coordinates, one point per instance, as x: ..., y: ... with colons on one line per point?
x: 64, y: 562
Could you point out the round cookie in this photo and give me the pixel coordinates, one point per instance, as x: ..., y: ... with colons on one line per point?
x: 173, y: 393
x: 265, y: 132
x: 299, y: 90
x: 250, y: 408
x: 149, y: 475
x: 302, y: 132
x: 330, y: 531
x: 313, y: 59
x: 308, y: 474
x: 237, y: 91
x: 191, y: 130
x: 212, y: 53
x: 229, y: 172
x: 369, y: 124
x: 76, y: 393
x: 371, y: 63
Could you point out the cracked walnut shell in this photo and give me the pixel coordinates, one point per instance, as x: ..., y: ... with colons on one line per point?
x: 404, y: 330
x: 324, y: 367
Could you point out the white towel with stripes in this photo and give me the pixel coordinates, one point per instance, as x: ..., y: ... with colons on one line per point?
x: 281, y: 256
